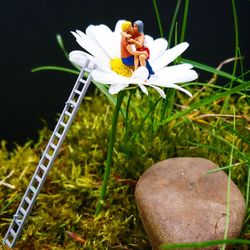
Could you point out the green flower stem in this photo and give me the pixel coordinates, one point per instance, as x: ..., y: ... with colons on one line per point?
x: 112, y: 137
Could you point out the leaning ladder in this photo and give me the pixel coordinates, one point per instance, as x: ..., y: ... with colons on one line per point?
x: 71, y: 107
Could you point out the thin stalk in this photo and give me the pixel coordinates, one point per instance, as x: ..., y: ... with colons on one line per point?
x: 127, y: 122
x: 228, y: 208
x: 207, y: 68
x: 100, y: 86
x: 55, y: 68
x: 158, y: 18
x: 205, y: 102
x: 229, y: 190
x: 16, y: 197
x: 177, y: 8
x: 112, y: 138
x: 145, y: 118
x: 248, y: 185
x: 176, y: 34
x: 236, y: 30
x: 184, y: 22
x: 61, y: 45
x: 204, y: 244
x: 222, y: 168
x: 168, y: 103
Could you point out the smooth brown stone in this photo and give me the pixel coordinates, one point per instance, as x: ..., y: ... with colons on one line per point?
x: 179, y: 202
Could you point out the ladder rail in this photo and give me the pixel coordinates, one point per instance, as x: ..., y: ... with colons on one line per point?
x: 48, y: 157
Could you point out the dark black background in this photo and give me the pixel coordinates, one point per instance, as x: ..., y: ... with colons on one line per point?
x: 27, y: 39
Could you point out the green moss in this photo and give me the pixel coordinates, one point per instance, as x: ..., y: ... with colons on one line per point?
x: 68, y: 199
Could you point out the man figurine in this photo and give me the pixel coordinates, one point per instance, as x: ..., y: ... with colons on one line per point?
x: 126, y: 47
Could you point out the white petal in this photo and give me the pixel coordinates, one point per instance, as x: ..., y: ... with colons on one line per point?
x: 77, y: 36
x: 115, y: 88
x: 143, y: 89
x: 181, y: 89
x: 104, y: 37
x: 170, y: 85
x: 182, y: 76
x: 174, y: 70
x: 160, y: 91
x: 140, y: 75
x: 169, y: 56
x: 109, y: 78
x: 116, y: 45
x: 78, y: 57
x: 91, y: 46
x: 157, y: 49
x: 80, y: 33
x: 148, y: 41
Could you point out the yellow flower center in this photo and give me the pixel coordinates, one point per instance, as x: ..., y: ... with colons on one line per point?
x: 121, y: 69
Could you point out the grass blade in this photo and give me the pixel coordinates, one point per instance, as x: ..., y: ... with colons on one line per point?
x: 206, y: 101
x: 177, y: 8
x: 158, y: 18
x: 55, y: 68
x: 184, y: 22
x: 61, y: 45
x: 100, y: 86
x: 205, y: 244
x: 211, y: 70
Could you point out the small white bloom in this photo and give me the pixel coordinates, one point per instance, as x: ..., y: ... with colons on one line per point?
x: 103, y: 47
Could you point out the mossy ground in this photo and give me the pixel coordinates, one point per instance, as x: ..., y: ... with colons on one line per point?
x: 63, y: 217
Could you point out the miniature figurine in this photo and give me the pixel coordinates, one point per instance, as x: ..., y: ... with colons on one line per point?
x: 142, y: 52
x: 126, y: 47
x: 134, y: 35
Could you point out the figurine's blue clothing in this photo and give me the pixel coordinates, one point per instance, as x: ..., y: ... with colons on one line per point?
x: 150, y: 70
x: 129, y: 61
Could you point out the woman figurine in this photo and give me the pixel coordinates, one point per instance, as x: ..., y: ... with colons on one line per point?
x: 142, y: 53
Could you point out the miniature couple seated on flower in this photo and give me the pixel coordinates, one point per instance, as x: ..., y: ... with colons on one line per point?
x: 133, y: 36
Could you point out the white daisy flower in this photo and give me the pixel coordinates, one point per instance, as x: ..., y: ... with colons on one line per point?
x: 103, y: 47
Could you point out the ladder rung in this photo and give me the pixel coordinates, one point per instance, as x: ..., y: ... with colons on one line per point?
x: 53, y: 145
x: 22, y: 211
x: 87, y: 70
x: 27, y: 200
x: 13, y: 233
x: 63, y: 124
x: 68, y: 113
x: 72, y: 103
x: 77, y: 92
x: 17, y: 217
x: 48, y: 156
x: 83, y: 81
x: 38, y: 178
x: 43, y: 167
x: 33, y: 189
x: 18, y: 222
x: 58, y: 135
